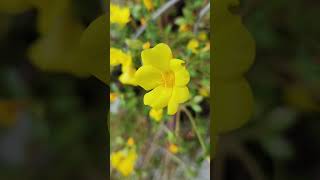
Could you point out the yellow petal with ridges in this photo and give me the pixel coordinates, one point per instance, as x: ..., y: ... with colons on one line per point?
x: 182, y: 77
x: 179, y: 95
x: 159, y: 56
x: 176, y: 64
x: 172, y: 108
x: 148, y: 77
x: 158, y: 98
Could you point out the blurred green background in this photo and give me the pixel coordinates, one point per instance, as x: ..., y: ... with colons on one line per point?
x: 282, y: 140
x: 52, y: 125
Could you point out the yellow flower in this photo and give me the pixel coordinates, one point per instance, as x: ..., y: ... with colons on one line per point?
x: 166, y: 77
x: 119, y: 57
x: 124, y: 161
x: 156, y: 114
x: 119, y: 15
x: 116, y: 158
x: 113, y: 97
x: 148, y: 4
x: 130, y: 141
x: 174, y: 149
x: 146, y: 45
x: 127, y: 76
x: 143, y: 21
x: 203, y: 36
x: 203, y: 91
x: 184, y: 28
x: 193, y: 44
x: 207, y: 47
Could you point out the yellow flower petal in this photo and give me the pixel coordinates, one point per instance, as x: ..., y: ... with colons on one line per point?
x: 116, y: 158
x: 203, y: 36
x: 159, y: 56
x: 179, y: 95
x: 184, y: 28
x: 146, y: 45
x: 113, y: 97
x: 158, y: 98
x: 123, y: 161
x: 182, y: 77
x: 148, y: 4
x: 119, y: 15
x: 172, y: 108
x: 156, y: 114
x: 148, y: 77
x: 130, y: 141
x: 173, y: 148
x: 193, y: 44
x: 127, y: 76
x: 176, y: 64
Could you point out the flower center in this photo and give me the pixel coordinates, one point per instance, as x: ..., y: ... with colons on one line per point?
x: 168, y: 79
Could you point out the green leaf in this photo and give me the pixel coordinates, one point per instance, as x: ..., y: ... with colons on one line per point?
x: 196, y: 108
x: 134, y: 44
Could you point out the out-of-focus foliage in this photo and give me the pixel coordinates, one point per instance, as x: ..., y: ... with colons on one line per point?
x: 281, y: 141
x: 232, y: 57
x: 52, y: 125
x: 65, y: 45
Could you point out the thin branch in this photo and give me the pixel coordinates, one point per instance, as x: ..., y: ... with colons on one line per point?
x: 202, y: 13
x: 194, y: 126
x: 154, y: 16
x: 151, y: 150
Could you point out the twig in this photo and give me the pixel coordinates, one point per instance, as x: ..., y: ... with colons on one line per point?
x: 151, y: 150
x: 154, y: 16
x: 203, y: 12
x: 194, y: 126
x: 177, y: 160
x: 177, y: 130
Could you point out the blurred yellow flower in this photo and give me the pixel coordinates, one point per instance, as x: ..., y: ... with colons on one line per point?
x: 127, y: 76
x: 130, y: 141
x: 174, y: 149
x: 119, y: 15
x: 166, y: 77
x: 184, y: 28
x: 118, y: 57
x: 203, y: 36
x: 148, y: 4
x: 123, y: 161
x: 193, y: 44
x: 143, y: 21
x: 207, y: 47
x: 146, y: 45
x: 156, y: 114
x: 113, y: 97
x: 203, y: 91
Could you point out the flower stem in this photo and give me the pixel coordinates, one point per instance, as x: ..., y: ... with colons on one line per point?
x: 194, y: 126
